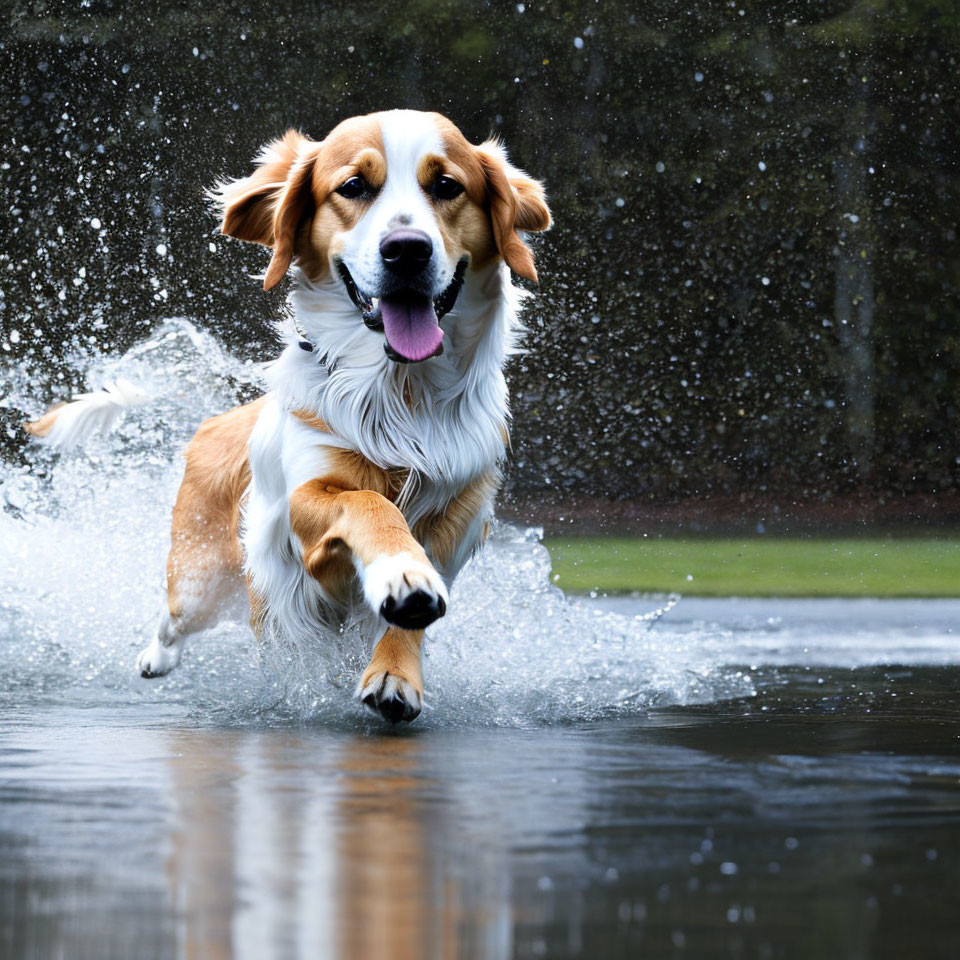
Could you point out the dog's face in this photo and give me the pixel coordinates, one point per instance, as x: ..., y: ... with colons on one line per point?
x: 397, y: 207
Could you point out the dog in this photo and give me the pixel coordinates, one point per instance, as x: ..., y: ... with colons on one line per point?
x: 364, y: 478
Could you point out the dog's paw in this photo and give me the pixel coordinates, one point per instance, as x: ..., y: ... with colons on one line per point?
x: 394, y: 698
x: 405, y: 592
x: 157, y: 660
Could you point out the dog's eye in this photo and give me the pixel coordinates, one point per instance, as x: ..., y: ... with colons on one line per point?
x: 353, y: 189
x: 446, y: 188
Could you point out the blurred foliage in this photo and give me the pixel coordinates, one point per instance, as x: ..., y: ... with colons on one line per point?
x: 753, y: 280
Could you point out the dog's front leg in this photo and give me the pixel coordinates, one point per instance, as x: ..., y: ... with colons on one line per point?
x: 393, y: 682
x: 344, y: 531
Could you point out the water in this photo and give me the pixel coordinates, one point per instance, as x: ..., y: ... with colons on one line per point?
x: 608, y: 778
x: 818, y: 817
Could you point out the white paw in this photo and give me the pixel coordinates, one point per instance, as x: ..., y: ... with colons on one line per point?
x: 156, y: 660
x: 404, y: 591
x: 392, y: 696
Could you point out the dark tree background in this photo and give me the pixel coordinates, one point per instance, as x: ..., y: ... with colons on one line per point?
x: 749, y: 304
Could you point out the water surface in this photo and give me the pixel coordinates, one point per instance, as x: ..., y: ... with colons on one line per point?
x: 817, y: 816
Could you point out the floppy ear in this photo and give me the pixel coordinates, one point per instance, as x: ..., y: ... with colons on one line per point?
x: 268, y: 206
x: 516, y: 203
x: 295, y: 203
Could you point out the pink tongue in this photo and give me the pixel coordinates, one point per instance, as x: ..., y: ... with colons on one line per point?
x: 410, y: 325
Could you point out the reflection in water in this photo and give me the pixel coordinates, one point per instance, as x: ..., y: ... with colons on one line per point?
x: 817, y: 819
x: 202, y: 866
x: 292, y: 846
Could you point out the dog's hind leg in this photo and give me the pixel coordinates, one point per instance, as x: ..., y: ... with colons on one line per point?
x: 164, y: 651
x: 202, y: 579
x: 204, y: 569
x: 189, y: 611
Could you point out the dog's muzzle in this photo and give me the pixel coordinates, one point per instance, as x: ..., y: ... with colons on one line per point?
x: 409, y: 320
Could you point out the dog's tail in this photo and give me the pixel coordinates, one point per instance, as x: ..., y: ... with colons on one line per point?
x: 70, y: 425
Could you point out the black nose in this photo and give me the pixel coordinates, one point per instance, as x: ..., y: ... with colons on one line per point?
x: 406, y: 252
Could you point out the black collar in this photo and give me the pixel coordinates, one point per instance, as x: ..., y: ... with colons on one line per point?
x: 321, y: 360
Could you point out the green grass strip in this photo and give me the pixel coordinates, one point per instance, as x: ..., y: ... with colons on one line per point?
x: 762, y: 567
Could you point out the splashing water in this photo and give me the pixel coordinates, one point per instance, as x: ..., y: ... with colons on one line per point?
x: 84, y: 541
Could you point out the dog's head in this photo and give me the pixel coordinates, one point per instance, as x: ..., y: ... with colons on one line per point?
x: 396, y: 207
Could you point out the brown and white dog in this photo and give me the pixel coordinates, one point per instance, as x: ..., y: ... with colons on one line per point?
x: 365, y: 477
